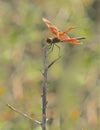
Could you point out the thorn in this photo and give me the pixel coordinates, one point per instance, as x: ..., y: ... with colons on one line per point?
x: 46, y: 102
x: 41, y: 72
x: 41, y: 95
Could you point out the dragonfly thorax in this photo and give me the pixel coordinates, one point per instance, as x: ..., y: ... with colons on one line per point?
x: 53, y: 40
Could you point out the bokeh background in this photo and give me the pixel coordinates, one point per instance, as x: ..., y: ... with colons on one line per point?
x: 73, y: 81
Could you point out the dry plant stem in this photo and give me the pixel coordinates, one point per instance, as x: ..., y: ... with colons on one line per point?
x: 44, y: 93
x: 24, y: 115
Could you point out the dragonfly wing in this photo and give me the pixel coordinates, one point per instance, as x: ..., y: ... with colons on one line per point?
x: 66, y: 38
x: 72, y: 40
x: 52, y: 28
x: 62, y: 35
x: 68, y: 30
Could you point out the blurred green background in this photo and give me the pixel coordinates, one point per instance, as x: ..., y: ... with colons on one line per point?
x: 73, y: 81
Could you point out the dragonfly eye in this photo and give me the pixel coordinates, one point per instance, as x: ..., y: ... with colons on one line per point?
x: 49, y: 40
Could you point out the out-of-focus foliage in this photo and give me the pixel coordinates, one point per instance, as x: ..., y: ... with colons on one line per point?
x: 73, y: 82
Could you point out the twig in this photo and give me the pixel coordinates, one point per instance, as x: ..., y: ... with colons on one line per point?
x: 53, y: 62
x: 44, y: 92
x: 23, y: 114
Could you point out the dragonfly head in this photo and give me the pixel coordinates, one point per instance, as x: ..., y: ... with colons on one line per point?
x: 50, y: 40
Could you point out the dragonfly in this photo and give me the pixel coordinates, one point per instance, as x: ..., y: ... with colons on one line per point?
x: 60, y: 36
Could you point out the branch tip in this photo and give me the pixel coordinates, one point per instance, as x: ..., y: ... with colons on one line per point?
x: 53, y: 62
x: 23, y: 114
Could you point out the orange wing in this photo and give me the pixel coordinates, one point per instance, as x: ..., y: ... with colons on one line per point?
x: 52, y: 28
x: 61, y: 35
x: 66, y: 38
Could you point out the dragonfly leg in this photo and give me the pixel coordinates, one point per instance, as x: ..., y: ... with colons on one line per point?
x: 58, y: 48
x: 52, y: 47
x: 49, y: 47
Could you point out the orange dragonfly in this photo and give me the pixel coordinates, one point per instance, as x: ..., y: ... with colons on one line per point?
x: 59, y: 35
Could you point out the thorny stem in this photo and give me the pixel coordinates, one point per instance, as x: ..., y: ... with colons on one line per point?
x: 44, y: 100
